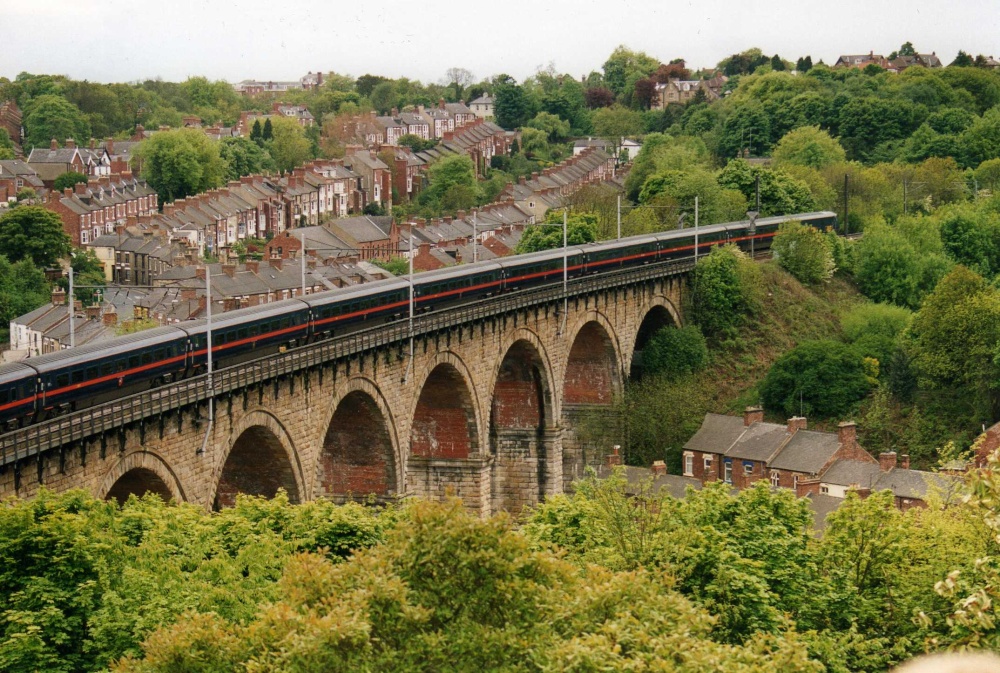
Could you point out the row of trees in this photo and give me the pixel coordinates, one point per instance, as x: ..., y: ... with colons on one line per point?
x: 594, y: 581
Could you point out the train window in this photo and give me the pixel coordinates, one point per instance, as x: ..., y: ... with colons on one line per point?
x: 253, y: 330
x: 91, y: 372
x: 78, y: 376
x: 62, y: 380
x: 133, y: 361
x: 161, y: 354
x: 121, y: 365
x: 106, y: 368
x: 4, y: 397
x: 242, y: 334
x: 147, y: 357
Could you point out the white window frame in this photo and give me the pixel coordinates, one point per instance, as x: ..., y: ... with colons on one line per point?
x: 775, y: 479
x: 747, y: 468
x: 727, y: 474
x: 688, y: 464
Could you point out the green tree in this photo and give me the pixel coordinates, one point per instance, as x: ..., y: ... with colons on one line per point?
x: 972, y: 238
x: 617, y: 122
x: 6, y: 145
x: 23, y: 288
x: 256, y: 133
x: 624, y: 67
x: 816, y: 379
x: 288, y: 146
x: 452, y: 177
x: 51, y: 117
x: 674, y: 351
x: 512, y: 106
x: 33, y: 233
x: 780, y: 194
x: 894, y: 268
x: 962, y: 60
x: 808, y: 146
x: 725, y: 291
x: 88, y: 276
x: 415, y: 142
x: 981, y: 140
x: 243, y: 156
x: 556, y: 129
x: 68, y: 179
x: 803, y: 252
x: 267, y: 132
x: 181, y: 163
x: 580, y: 228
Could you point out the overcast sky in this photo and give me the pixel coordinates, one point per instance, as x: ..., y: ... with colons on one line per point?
x: 115, y: 40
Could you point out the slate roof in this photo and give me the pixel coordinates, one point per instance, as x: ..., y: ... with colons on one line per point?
x: 807, y: 452
x: 852, y: 472
x: 675, y: 485
x: 716, y: 434
x: 364, y: 228
x: 821, y: 506
x: 914, y: 483
x: 759, y: 442
x: 483, y: 100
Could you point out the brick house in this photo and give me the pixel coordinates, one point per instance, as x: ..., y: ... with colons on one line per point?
x: 375, y: 178
x: 97, y: 207
x: 10, y: 120
x: 52, y: 162
x: 16, y: 175
x: 482, y: 107
x: 910, y: 488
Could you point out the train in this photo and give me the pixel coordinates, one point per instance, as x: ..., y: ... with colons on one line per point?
x: 52, y: 384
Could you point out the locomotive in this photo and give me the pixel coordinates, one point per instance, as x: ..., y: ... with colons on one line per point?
x: 38, y: 388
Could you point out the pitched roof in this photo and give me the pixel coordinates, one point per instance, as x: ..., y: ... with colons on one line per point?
x: 807, y: 451
x: 675, y: 485
x: 914, y: 483
x: 716, y: 434
x: 759, y: 442
x: 852, y: 473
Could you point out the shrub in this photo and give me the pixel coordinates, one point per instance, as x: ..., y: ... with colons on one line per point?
x: 803, y: 252
x: 816, y: 378
x: 675, y: 352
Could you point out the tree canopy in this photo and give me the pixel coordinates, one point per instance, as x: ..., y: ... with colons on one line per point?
x: 181, y: 163
x: 33, y: 233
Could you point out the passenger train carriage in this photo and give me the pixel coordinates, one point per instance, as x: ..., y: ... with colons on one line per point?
x: 41, y: 387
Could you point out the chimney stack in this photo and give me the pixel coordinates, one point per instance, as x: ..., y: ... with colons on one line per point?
x: 58, y: 296
x: 753, y: 415
x: 275, y: 263
x: 658, y: 468
x: 111, y: 317
x: 253, y: 266
x: 887, y: 460
x: 847, y: 434
x: 229, y: 269
x: 796, y: 423
x: 93, y: 312
x: 904, y: 461
x: 614, y: 458
x: 53, y: 144
x: 70, y: 144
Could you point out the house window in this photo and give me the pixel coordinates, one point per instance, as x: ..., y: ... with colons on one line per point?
x: 728, y: 473
x: 824, y: 490
x: 708, y: 463
x: 84, y: 237
x: 747, y: 467
x: 795, y: 481
x: 774, y: 479
x: 688, y: 464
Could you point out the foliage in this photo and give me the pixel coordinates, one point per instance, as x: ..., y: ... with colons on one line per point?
x: 674, y: 351
x: 397, y: 266
x: 243, y: 156
x: 53, y: 117
x: 23, y: 288
x: 780, y: 194
x: 68, y: 179
x: 891, y: 267
x: 808, y: 146
x: 450, y: 592
x: 816, y: 379
x: 86, y: 582
x: 33, y: 233
x: 415, y: 142
x: 288, y: 145
x: 452, y: 184
x: 725, y: 291
x: 617, y: 122
x: 512, y: 106
x: 803, y: 251
x: 580, y: 228
x: 180, y: 163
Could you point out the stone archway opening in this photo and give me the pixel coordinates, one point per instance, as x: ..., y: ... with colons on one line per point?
x: 592, y: 381
x: 656, y: 319
x: 520, y: 441
x: 139, y: 481
x: 444, y: 422
x: 357, y: 459
x: 257, y: 465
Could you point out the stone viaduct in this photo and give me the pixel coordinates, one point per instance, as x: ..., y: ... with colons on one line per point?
x: 495, y: 409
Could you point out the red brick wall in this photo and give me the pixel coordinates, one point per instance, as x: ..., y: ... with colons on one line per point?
x: 517, y: 396
x: 698, y: 467
x: 742, y: 480
x: 590, y: 369
x: 257, y: 465
x: 444, y: 422
x: 357, y: 451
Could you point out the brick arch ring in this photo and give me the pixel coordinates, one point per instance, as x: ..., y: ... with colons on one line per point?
x: 145, y: 460
x: 365, y: 385
x: 573, y: 331
x: 450, y: 358
x: 657, y: 300
x: 552, y: 393
x: 265, y: 419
